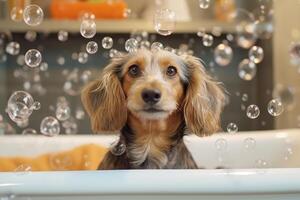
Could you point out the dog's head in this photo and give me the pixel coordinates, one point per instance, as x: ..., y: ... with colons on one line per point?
x: 152, y: 86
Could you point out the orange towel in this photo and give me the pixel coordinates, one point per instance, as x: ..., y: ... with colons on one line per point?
x: 85, y: 157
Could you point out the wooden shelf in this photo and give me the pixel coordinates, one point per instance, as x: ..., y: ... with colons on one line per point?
x: 113, y: 26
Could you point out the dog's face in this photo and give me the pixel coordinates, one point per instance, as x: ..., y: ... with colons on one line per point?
x: 153, y: 83
x: 152, y: 86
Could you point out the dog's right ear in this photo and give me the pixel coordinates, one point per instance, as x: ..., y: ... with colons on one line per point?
x: 104, y: 100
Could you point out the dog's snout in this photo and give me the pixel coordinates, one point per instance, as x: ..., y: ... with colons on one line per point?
x: 151, y: 96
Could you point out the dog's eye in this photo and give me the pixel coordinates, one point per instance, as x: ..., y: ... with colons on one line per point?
x: 171, y: 71
x: 134, y: 70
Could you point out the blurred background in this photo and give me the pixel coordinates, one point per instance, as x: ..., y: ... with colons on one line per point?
x: 49, y: 49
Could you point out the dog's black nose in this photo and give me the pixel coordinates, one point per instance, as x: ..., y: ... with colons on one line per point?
x: 151, y: 96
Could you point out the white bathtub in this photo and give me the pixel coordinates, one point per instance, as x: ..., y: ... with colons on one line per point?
x: 279, y: 178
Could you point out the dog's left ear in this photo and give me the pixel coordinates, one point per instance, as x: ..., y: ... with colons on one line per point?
x: 204, y: 100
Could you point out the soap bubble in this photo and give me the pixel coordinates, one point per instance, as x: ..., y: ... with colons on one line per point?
x: 118, y: 148
x: 20, y: 106
x: 63, y: 110
x: 33, y: 15
x: 50, y: 126
x: 204, y: 4
x: 157, y: 46
x: 83, y: 57
x: 275, y: 107
x: 107, y: 42
x: 207, y: 40
x: 247, y: 70
x: 21, y: 60
x: 88, y: 28
x: 223, y: 54
x: 44, y: 66
x: 201, y: 32
x: 62, y: 36
x: 113, y: 53
x: 263, y: 26
x: 75, y: 81
x: 249, y: 143
x: 30, y: 36
x: 33, y: 58
x: 92, y: 47
x: 221, y: 144
x: 79, y: 113
x: 61, y: 60
x: 13, y: 48
x: 252, y: 111
x: 29, y: 131
x: 164, y: 21
x: 286, y: 94
x: 256, y: 54
x: 145, y: 44
x: 245, y: 97
x: 70, y: 126
x: 295, y: 53
x: 232, y: 128
x: 16, y: 14
x: 131, y: 45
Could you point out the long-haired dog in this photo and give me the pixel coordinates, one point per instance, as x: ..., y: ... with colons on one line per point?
x: 154, y: 98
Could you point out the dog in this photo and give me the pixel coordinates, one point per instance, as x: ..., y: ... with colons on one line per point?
x: 154, y: 98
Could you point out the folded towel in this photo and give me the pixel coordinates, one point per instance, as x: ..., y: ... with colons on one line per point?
x: 85, y: 157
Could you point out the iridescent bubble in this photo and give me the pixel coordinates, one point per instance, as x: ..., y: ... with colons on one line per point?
x: 204, y: 4
x: 16, y: 14
x: 50, y: 126
x: 249, y: 143
x: 207, y: 40
x: 62, y: 36
x: 13, y: 48
x: 131, y: 45
x: 29, y: 131
x: 30, y: 36
x: 232, y: 128
x: 33, y: 15
x: 33, y: 58
x: 256, y: 54
x: 223, y: 54
x: 164, y: 21
x: 247, y: 70
x: 295, y: 53
x: 107, y: 42
x: 221, y: 144
x: 118, y: 148
x: 83, y: 57
x: 275, y: 107
x: 88, y: 28
x: 157, y: 46
x: 252, y: 111
x: 92, y: 47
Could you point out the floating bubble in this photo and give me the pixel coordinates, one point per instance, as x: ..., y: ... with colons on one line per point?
x: 13, y: 48
x: 75, y: 82
x: 16, y: 14
x: 62, y: 36
x: 113, y: 53
x: 33, y: 15
x: 145, y: 44
x: 295, y: 53
x: 88, y: 28
x: 223, y: 54
x: 79, y: 113
x: 33, y: 58
x: 83, y: 57
x: 286, y: 94
x: 63, y: 112
x: 164, y: 21
x: 275, y: 107
x: 61, y: 60
x: 201, y: 32
x: 29, y: 131
x: 19, y: 106
x: 204, y: 4
x: 92, y: 47
x: 221, y: 144
x: 232, y: 128
x: 70, y: 126
x: 118, y: 148
x: 44, y: 66
x: 30, y: 36
x: 131, y: 45
x: 50, y: 126
x: 245, y: 97
x: 256, y: 54
x: 249, y: 143
x: 207, y: 40
x: 247, y: 70
x: 21, y: 60
x: 263, y: 27
x: 36, y: 106
x: 157, y: 46
x: 230, y: 37
x: 252, y: 111
x: 107, y: 42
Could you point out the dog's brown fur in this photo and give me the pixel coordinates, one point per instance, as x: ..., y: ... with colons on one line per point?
x: 153, y: 142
